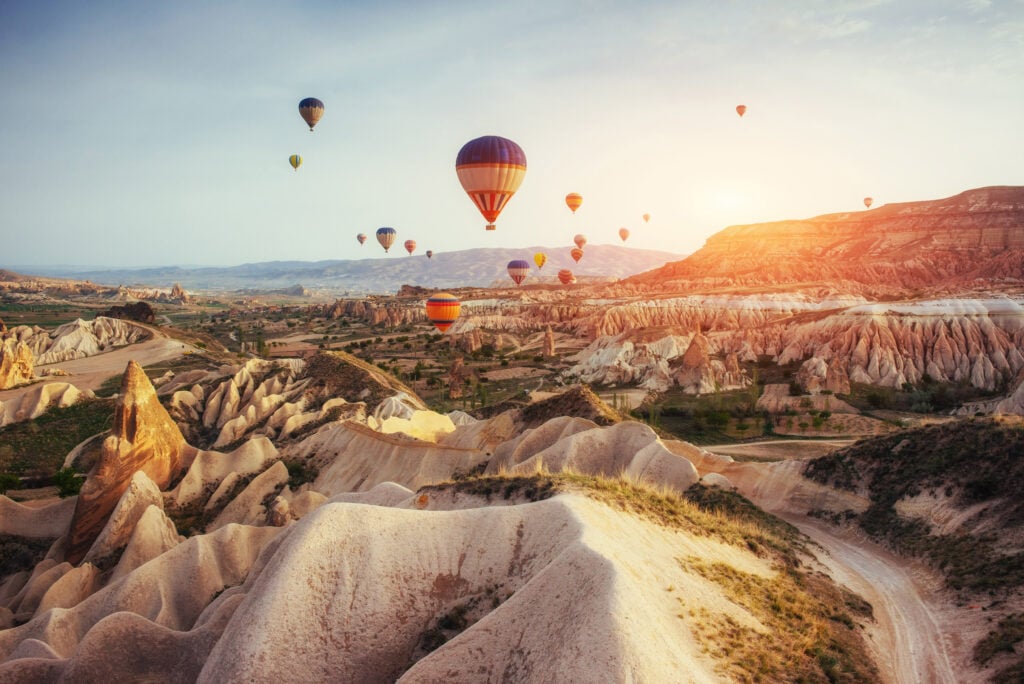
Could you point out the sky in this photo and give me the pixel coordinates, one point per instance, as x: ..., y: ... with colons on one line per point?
x: 150, y: 134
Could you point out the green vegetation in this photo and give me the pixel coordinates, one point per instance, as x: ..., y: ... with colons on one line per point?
x: 927, y: 396
x: 21, y: 553
x: 1003, y: 641
x: 971, y: 461
x: 68, y: 482
x: 717, y: 418
x: 37, y: 448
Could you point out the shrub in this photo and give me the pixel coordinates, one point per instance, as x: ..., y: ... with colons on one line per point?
x: 68, y: 483
x: 8, y: 481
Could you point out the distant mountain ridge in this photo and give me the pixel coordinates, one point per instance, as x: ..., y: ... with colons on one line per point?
x: 975, y: 237
x: 463, y: 268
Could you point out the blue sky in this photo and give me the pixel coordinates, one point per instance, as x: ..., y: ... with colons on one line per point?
x: 143, y: 134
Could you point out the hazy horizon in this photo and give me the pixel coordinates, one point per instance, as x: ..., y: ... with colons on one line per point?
x: 147, y: 136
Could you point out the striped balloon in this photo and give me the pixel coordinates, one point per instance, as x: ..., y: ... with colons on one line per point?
x: 580, y: 240
x: 573, y: 200
x: 566, y: 276
x: 296, y: 161
x: 576, y: 253
x: 311, y: 109
x: 386, y: 237
x: 361, y: 237
x: 410, y: 246
x: 443, y: 310
x: 490, y: 169
x: 518, y: 270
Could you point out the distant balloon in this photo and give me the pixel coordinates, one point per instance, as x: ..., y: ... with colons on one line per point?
x: 518, y: 270
x: 624, y: 234
x: 490, y: 169
x: 566, y: 276
x: 386, y: 237
x: 430, y: 254
x: 361, y: 237
x: 573, y: 200
x: 580, y: 240
x: 443, y: 310
x: 410, y: 246
x: 311, y: 109
x: 576, y: 254
x: 540, y: 258
x: 647, y: 217
x: 867, y: 202
x: 741, y: 110
x: 296, y: 161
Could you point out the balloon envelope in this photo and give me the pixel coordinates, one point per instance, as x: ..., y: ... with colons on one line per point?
x: 443, y: 310
x: 867, y: 202
x: 647, y: 217
x: 580, y: 240
x: 623, y: 233
x: 361, y: 237
x: 430, y: 253
x: 386, y: 237
x: 741, y: 109
x: 311, y: 109
x: 518, y: 270
x: 296, y: 161
x: 566, y: 276
x: 410, y: 246
x: 540, y: 258
x: 573, y: 200
x: 490, y: 169
x: 576, y: 254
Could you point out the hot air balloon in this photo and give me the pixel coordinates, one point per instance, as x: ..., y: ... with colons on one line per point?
x: 410, y: 246
x: 540, y: 258
x: 576, y: 254
x: 741, y: 110
x: 361, y: 237
x: 867, y: 202
x: 490, y: 169
x: 566, y: 276
x: 443, y: 310
x: 518, y: 270
x: 647, y: 217
x: 311, y: 109
x: 580, y: 240
x: 296, y: 161
x: 430, y: 254
x: 386, y: 237
x: 623, y: 233
x: 573, y: 200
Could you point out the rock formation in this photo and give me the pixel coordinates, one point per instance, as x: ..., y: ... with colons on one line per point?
x: 816, y: 375
x: 178, y: 294
x: 143, y: 438
x: 16, y: 363
x: 136, y: 311
x: 549, y: 343
x: 961, y: 240
x: 698, y: 373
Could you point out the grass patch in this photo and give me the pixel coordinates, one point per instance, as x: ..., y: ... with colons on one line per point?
x: 37, y: 448
x: 21, y: 553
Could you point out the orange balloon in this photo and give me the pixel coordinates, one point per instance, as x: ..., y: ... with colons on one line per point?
x: 566, y: 277
x: 410, y: 246
x: 443, y: 310
x: 741, y: 109
x: 580, y: 240
x: 573, y: 200
x: 623, y: 233
x: 647, y: 217
x: 576, y: 254
x: 867, y: 202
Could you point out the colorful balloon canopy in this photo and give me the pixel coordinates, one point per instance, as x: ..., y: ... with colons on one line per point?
x: 741, y: 109
x: 296, y: 161
x: 311, y: 109
x: 573, y: 200
x: 430, y: 254
x: 386, y: 237
x: 580, y: 240
x: 576, y: 254
x: 443, y: 310
x: 624, y: 233
x: 540, y: 258
x: 361, y: 237
x: 410, y: 246
x: 566, y: 277
x: 518, y: 270
x: 647, y: 217
x: 867, y: 202
x: 490, y: 169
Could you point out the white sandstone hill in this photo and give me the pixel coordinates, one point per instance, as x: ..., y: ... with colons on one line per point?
x: 77, y: 339
x: 341, y: 554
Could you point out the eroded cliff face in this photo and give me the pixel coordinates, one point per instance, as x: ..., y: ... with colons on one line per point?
x: 977, y: 235
x: 16, y: 362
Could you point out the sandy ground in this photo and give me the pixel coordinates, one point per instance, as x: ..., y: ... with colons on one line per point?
x: 92, y: 371
x: 780, y: 450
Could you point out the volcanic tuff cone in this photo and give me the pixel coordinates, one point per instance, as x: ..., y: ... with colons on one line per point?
x: 978, y: 234
x: 143, y: 437
x: 16, y: 363
x: 347, y: 376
